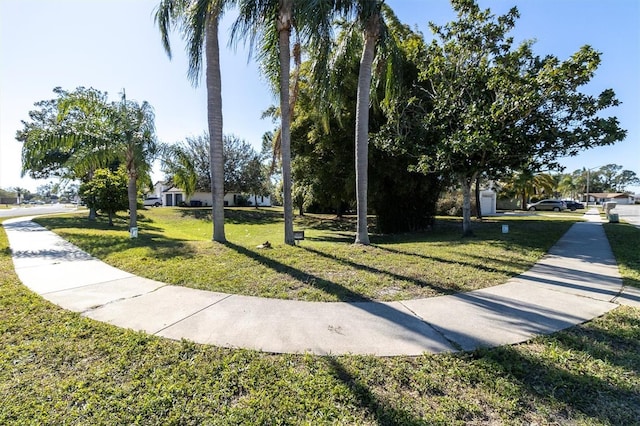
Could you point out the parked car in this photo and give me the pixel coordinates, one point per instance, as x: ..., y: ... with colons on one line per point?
x: 574, y: 205
x: 551, y: 205
x: 152, y: 202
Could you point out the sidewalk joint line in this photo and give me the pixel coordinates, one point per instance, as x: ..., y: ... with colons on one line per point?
x: 82, y: 286
x: 453, y: 343
x: 155, y: 333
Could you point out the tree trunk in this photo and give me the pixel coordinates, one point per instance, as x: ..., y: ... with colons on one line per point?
x: 478, y: 206
x: 92, y: 210
x: 362, y: 131
x: 132, y: 190
x: 284, y: 33
x: 214, y: 111
x: 466, y: 205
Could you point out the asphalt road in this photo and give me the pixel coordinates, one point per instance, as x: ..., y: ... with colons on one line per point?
x: 36, y: 210
x: 629, y: 213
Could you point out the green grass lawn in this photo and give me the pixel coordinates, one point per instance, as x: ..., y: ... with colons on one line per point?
x: 174, y: 246
x: 57, y: 367
x: 625, y: 242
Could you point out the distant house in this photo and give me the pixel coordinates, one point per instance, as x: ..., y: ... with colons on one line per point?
x: 603, y: 197
x: 174, y: 196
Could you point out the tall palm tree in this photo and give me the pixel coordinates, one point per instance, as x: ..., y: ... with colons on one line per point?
x: 198, y: 20
x: 369, y: 19
x: 271, y: 23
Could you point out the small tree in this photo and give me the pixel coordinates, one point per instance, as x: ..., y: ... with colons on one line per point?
x: 106, y: 192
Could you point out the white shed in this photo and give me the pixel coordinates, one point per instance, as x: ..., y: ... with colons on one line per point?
x: 488, y: 199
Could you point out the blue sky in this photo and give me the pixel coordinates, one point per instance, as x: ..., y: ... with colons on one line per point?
x: 114, y: 44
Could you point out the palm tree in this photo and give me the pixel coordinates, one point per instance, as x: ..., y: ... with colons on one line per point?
x: 177, y: 163
x: 527, y: 183
x: 369, y: 21
x: 198, y: 21
x: 271, y: 23
x: 20, y: 194
x: 568, y: 185
x: 135, y: 129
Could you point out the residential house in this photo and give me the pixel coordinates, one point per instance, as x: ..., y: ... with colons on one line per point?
x: 174, y: 196
x: 603, y: 197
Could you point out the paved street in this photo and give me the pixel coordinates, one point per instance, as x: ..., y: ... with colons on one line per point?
x: 36, y: 210
x: 629, y: 213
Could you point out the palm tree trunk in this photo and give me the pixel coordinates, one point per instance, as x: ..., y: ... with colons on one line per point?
x: 132, y: 190
x: 214, y: 110
x: 284, y: 33
x: 362, y: 135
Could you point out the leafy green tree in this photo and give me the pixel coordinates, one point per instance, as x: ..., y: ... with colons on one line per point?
x: 625, y: 179
x: 186, y: 164
x: 124, y: 133
x: 66, y: 136
x: 404, y: 200
x: 81, y: 131
x: 255, y: 178
x: 106, y: 191
x: 324, y: 139
x: 198, y: 21
x: 498, y: 109
x: 614, y: 179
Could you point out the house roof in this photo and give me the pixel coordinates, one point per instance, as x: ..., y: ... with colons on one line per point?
x: 608, y: 195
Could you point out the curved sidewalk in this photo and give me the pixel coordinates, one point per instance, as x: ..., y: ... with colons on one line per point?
x: 575, y: 282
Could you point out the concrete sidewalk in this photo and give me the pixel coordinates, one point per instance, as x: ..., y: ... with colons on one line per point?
x: 575, y: 282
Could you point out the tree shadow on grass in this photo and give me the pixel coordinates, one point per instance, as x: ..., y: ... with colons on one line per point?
x: 371, y: 269
x: 383, y: 413
x: 236, y: 216
x: 104, y: 244
x: 327, y: 223
x: 415, y: 327
x: 330, y: 287
x: 520, y: 265
x: 582, y: 389
x: 336, y: 237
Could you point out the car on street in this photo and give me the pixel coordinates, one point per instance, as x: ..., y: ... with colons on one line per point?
x: 152, y: 202
x: 573, y: 205
x: 550, y: 205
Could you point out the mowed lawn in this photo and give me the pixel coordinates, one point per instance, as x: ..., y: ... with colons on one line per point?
x: 175, y: 247
x: 58, y: 367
